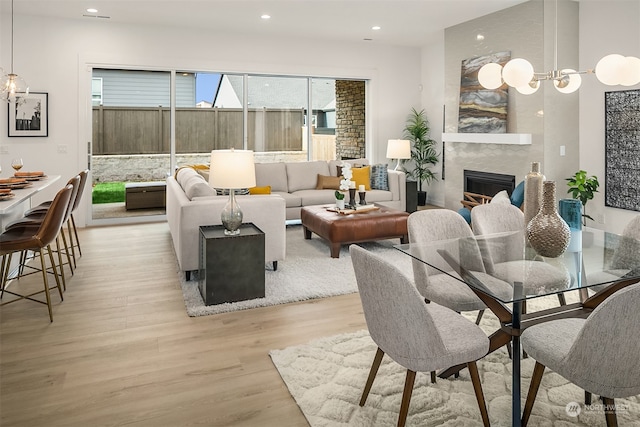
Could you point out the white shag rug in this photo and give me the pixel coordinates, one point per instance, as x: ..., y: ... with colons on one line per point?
x: 307, y: 272
x: 326, y: 378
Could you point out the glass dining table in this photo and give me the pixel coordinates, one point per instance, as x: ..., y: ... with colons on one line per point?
x: 596, y: 264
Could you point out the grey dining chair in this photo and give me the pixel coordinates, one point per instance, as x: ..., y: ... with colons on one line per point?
x: 598, y: 354
x: 505, y: 260
x: 433, y: 225
x: 420, y: 337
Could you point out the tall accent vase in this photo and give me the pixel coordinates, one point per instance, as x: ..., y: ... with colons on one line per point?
x: 547, y: 232
x: 532, y: 192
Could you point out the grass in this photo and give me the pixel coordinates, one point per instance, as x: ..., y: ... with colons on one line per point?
x: 108, y: 192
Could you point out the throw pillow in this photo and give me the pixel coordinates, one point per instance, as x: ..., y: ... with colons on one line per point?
x: 260, y: 190
x: 328, y: 182
x: 379, y: 177
x: 501, y: 197
x: 362, y: 177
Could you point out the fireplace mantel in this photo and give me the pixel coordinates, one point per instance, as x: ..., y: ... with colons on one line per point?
x: 489, y: 138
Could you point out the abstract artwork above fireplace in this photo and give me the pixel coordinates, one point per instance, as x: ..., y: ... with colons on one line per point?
x: 482, y: 110
x: 622, y: 151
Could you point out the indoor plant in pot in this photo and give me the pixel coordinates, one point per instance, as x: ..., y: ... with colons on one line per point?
x: 423, y: 152
x: 582, y: 188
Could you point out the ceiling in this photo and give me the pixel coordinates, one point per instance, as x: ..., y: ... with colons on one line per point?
x: 402, y: 22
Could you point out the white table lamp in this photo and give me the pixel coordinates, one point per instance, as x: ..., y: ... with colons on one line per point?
x: 398, y: 149
x: 232, y: 169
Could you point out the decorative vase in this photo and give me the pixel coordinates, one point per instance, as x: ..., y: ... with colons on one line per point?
x: 547, y: 232
x: 532, y: 192
x: 571, y: 211
x: 340, y: 204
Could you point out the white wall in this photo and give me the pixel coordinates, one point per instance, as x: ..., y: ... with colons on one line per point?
x: 55, y: 56
x: 605, y: 27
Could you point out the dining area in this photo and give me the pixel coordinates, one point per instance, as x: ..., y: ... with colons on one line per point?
x: 40, y: 239
x: 586, y: 335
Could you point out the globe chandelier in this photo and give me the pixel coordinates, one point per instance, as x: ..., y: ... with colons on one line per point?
x: 613, y: 69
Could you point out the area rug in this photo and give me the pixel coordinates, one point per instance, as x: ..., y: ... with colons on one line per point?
x: 326, y: 378
x: 308, y: 272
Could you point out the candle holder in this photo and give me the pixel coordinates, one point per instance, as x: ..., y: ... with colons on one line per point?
x: 352, y: 197
x: 362, y: 194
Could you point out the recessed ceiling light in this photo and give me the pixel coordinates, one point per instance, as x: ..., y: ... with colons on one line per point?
x: 479, y: 37
x: 92, y: 10
x: 375, y: 27
x: 265, y: 16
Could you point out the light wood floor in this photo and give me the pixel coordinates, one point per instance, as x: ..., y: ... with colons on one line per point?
x: 122, y: 351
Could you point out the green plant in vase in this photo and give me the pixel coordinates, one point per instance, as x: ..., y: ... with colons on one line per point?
x: 423, y: 152
x: 582, y: 187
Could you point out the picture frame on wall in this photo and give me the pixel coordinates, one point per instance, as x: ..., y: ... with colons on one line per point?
x: 29, y: 115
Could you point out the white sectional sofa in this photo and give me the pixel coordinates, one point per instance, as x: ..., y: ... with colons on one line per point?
x: 296, y: 182
x: 192, y: 203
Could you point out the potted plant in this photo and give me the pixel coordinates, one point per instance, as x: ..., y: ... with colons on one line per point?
x: 582, y: 188
x: 423, y: 152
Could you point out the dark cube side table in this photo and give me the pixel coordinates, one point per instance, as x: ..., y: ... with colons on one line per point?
x: 231, y: 268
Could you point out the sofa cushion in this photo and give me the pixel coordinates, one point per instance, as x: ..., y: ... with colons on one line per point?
x: 304, y: 175
x: 260, y: 190
x: 379, y: 177
x: 316, y: 197
x: 272, y: 174
x: 328, y: 182
x: 196, y: 186
x: 183, y: 174
x: 290, y: 200
x: 362, y: 176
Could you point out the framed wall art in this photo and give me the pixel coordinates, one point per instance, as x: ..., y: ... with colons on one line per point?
x: 29, y: 115
x: 482, y: 110
x: 622, y: 149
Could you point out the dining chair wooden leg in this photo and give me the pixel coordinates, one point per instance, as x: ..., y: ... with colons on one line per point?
x: 610, y: 411
x: 372, y: 375
x: 536, y: 378
x: 477, y: 388
x: 406, y: 397
x: 587, y: 397
x: 480, y: 313
x: 433, y: 377
x: 561, y: 299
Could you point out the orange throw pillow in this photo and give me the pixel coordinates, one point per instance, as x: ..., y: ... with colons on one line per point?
x: 260, y: 190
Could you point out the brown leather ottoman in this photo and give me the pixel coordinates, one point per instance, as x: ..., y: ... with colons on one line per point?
x: 338, y: 229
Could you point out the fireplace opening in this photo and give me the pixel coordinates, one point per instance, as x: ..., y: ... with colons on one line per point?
x: 487, y: 183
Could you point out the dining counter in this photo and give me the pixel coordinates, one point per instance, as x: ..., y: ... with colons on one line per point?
x: 14, y: 208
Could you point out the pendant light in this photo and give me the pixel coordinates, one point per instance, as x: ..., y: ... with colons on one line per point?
x: 12, y: 84
x: 519, y: 73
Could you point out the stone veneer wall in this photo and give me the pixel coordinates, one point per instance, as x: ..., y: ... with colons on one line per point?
x: 155, y: 167
x: 350, y: 119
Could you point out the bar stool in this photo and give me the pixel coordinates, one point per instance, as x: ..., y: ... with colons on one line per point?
x: 36, y: 240
x: 71, y: 223
x: 34, y: 220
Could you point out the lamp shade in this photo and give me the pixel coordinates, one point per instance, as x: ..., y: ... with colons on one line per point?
x: 232, y: 169
x: 517, y: 72
x: 399, y: 149
x: 490, y: 75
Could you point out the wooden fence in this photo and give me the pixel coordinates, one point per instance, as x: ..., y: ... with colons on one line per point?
x: 139, y: 130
